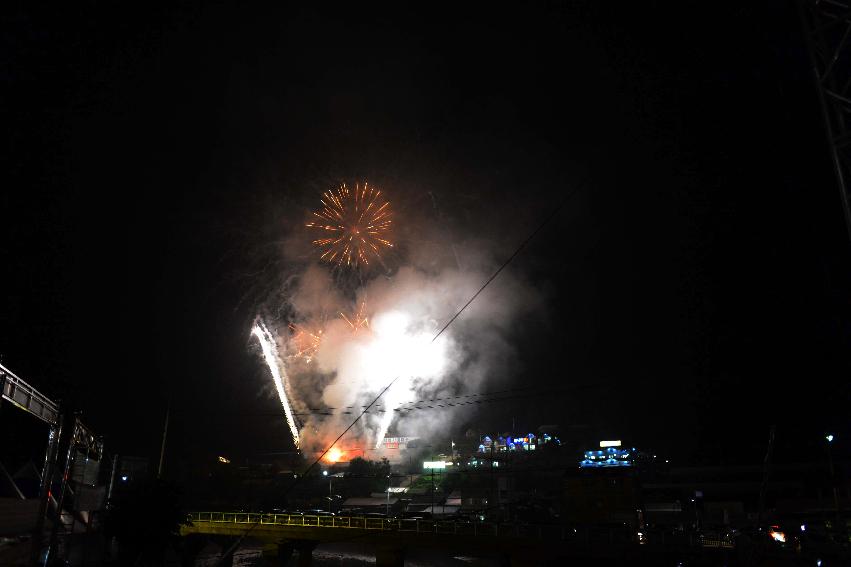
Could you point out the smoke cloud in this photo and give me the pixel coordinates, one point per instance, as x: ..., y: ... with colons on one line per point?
x: 402, y: 305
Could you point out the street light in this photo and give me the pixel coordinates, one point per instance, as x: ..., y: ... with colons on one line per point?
x: 388, y: 497
x: 330, y: 495
x: 829, y: 439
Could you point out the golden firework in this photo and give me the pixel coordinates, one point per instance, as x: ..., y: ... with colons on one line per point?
x: 358, y: 226
x: 358, y: 320
x: 305, y: 342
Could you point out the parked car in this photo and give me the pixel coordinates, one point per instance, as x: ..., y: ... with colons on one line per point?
x: 316, y: 512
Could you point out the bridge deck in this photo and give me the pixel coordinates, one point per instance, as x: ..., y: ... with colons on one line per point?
x: 273, y: 528
x: 473, y: 536
x: 240, y: 521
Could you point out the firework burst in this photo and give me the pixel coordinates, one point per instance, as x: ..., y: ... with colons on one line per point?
x: 304, y: 342
x: 357, y: 225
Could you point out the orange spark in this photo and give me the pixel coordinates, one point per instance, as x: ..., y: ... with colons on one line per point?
x: 358, y: 320
x: 358, y: 222
x: 305, y: 342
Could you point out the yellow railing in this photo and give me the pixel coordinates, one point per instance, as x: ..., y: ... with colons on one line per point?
x: 581, y: 536
x: 383, y: 524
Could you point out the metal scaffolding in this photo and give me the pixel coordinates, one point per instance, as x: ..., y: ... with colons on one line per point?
x: 15, y: 390
x: 827, y: 27
x: 73, y: 454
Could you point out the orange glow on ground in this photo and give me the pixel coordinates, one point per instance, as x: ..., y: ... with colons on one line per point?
x: 334, y: 455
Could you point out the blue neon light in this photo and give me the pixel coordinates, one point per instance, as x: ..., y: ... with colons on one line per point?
x: 612, y: 457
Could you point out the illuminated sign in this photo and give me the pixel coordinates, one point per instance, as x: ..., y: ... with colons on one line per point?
x: 609, y: 457
x: 436, y: 464
x: 604, y: 444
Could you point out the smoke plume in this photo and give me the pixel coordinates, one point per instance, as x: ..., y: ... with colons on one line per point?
x: 342, y: 335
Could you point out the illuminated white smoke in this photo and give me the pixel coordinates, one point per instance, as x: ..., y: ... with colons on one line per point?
x: 397, y: 352
x: 352, y: 366
x: 399, y: 347
x: 270, y: 355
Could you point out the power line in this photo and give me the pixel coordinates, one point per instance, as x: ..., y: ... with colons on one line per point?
x: 422, y: 405
x: 459, y: 399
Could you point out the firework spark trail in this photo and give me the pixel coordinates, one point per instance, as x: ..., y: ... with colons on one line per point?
x: 306, y: 343
x: 270, y: 355
x: 359, y: 222
x: 358, y: 320
x: 393, y: 400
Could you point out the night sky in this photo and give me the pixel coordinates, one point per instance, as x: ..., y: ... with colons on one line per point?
x: 696, y: 280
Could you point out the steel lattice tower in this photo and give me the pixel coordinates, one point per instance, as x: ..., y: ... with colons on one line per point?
x: 827, y: 31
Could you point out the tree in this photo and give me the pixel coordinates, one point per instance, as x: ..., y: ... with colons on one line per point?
x: 364, y: 476
x: 144, y: 519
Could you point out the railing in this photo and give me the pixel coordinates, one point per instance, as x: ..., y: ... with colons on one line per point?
x: 27, y: 398
x: 719, y: 542
x: 578, y: 536
x: 588, y: 536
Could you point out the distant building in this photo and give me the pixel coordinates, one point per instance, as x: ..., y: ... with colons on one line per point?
x: 610, y: 454
x: 510, y: 442
x: 608, y: 457
x: 399, y: 443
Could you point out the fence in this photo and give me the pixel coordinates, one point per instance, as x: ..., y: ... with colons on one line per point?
x: 584, y: 535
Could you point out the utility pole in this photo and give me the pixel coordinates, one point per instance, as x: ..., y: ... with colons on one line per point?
x: 766, y: 468
x: 330, y: 491
x: 165, y: 434
x: 112, y: 480
x: 432, y: 492
x: 494, y: 489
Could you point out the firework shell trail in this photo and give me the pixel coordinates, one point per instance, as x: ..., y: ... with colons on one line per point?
x: 356, y: 223
x: 401, y: 348
x: 270, y: 356
x: 393, y: 399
